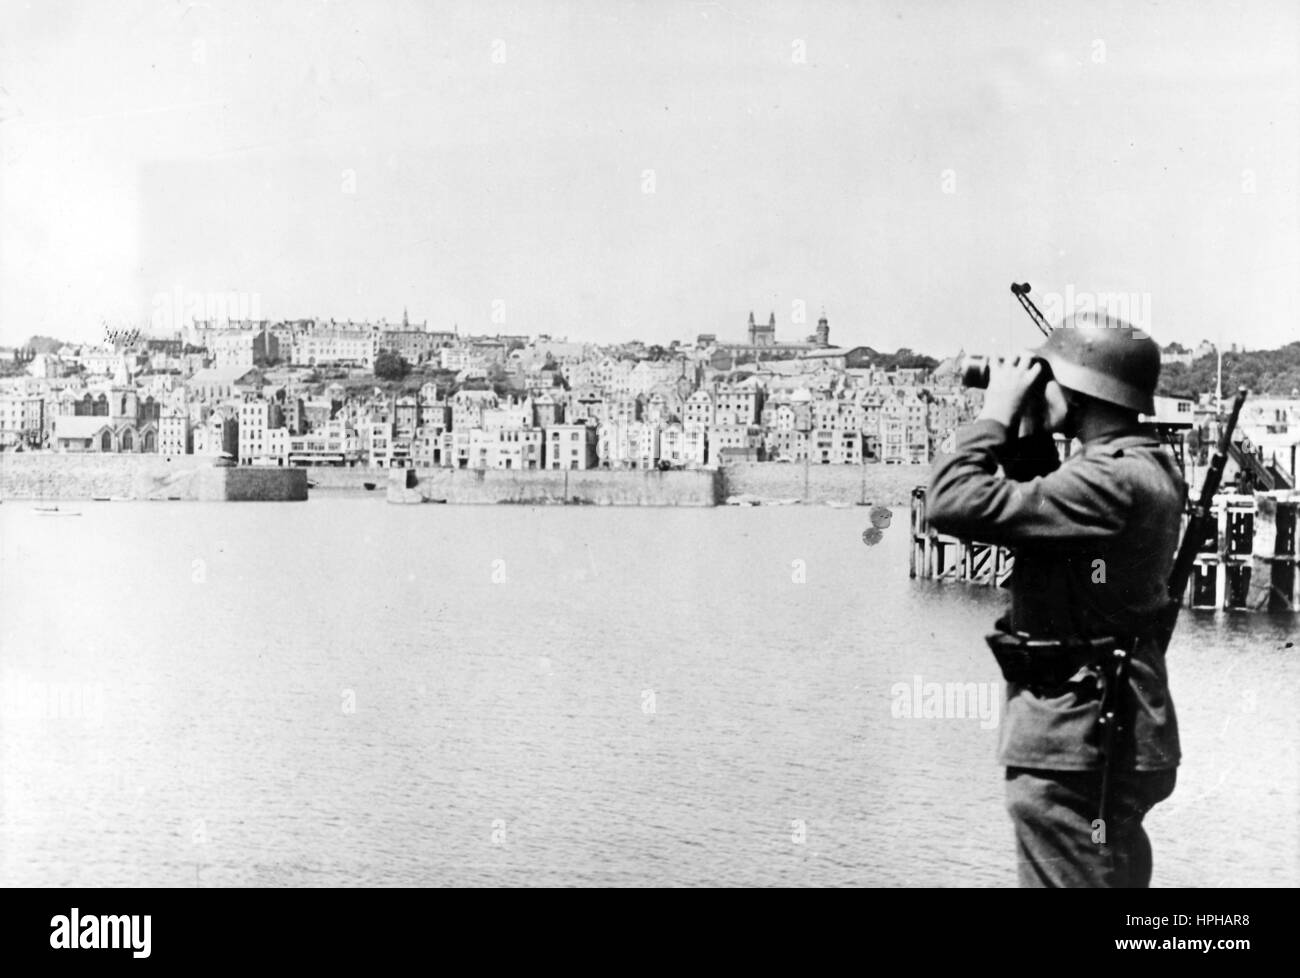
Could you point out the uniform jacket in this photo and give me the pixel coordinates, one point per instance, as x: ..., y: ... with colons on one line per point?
x: 1094, y: 539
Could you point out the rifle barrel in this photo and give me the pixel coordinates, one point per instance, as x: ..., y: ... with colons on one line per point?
x: 1199, y: 521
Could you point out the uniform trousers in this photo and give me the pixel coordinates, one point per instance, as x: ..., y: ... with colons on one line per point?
x: 1057, y: 842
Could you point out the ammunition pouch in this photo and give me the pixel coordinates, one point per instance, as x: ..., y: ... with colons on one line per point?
x: 1047, y: 662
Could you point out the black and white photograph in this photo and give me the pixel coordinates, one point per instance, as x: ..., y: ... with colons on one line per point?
x: 649, y: 444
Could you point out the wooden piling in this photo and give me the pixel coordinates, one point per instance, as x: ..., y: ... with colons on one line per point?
x: 1249, y: 563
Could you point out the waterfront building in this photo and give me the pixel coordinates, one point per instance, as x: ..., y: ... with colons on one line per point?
x: 22, y: 420
x: 332, y: 444
x: 427, y: 445
x: 627, y: 445
x: 571, y: 446
x: 460, y: 448
x: 263, y: 438
x: 683, y: 446
x: 174, y: 434
x: 377, y: 443
x: 99, y: 435
x: 84, y: 434
x: 787, y: 444
x: 217, y: 434
x: 734, y: 442
x: 514, y: 448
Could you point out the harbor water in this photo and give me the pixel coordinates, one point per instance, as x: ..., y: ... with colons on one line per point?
x: 347, y: 693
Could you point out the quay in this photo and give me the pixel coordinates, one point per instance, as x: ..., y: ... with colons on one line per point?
x: 763, y: 482
x: 95, y: 476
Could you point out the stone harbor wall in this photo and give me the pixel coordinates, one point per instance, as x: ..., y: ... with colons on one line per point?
x: 37, y: 475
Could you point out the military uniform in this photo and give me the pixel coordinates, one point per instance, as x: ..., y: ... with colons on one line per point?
x: 1094, y: 539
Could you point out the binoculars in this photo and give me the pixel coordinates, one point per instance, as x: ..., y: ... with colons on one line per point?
x: 974, y: 370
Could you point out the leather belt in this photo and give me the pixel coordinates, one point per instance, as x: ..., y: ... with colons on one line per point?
x: 1030, y: 661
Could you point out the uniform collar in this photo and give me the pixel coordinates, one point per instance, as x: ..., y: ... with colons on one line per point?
x: 1125, y: 437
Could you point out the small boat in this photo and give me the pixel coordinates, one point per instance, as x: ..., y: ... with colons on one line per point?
x: 99, y: 499
x: 55, y: 511
x: 369, y: 485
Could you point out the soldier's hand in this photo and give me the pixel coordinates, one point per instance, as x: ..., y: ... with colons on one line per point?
x: 1010, y: 380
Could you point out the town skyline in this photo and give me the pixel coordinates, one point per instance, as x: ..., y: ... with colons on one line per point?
x: 631, y: 173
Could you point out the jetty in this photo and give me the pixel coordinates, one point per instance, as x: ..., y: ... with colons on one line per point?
x: 1249, y: 564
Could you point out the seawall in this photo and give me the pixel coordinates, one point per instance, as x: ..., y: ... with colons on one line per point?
x: 331, y: 478
x: 37, y: 475
x: 875, y: 483
x: 888, y: 485
x: 541, y: 487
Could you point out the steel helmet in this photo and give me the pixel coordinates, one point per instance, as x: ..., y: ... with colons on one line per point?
x: 1105, y: 357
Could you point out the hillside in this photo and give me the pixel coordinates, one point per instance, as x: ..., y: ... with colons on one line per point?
x: 1273, y: 372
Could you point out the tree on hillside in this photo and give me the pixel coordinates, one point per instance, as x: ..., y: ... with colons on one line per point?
x: 1275, y: 372
x: 905, y: 359
x: 391, y: 366
x: 44, y: 344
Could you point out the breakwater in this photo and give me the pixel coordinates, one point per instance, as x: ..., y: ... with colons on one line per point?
x: 40, y: 475
x: 886, y: 485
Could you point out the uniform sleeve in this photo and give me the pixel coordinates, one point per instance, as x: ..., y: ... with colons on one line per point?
x: 1024, y: 458
x: 968, y: 498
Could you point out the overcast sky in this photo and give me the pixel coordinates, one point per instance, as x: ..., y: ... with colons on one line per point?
x: 653, y: 170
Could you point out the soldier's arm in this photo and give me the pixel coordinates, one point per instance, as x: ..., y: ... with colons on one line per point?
x: 1024, y: 458
x: 969, y: 498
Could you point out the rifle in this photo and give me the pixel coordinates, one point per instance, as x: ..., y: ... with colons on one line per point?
x: 1115, y: 669
x: 1201, y: 518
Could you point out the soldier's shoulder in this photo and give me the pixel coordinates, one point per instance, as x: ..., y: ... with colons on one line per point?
x: 1145, y: 465
x: 1133, y: 448
x: 1130, y: 456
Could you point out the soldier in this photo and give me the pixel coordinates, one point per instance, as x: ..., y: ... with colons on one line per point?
x: 1094, y: 539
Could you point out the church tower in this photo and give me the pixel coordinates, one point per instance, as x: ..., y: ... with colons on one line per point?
x: 823, y: 335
